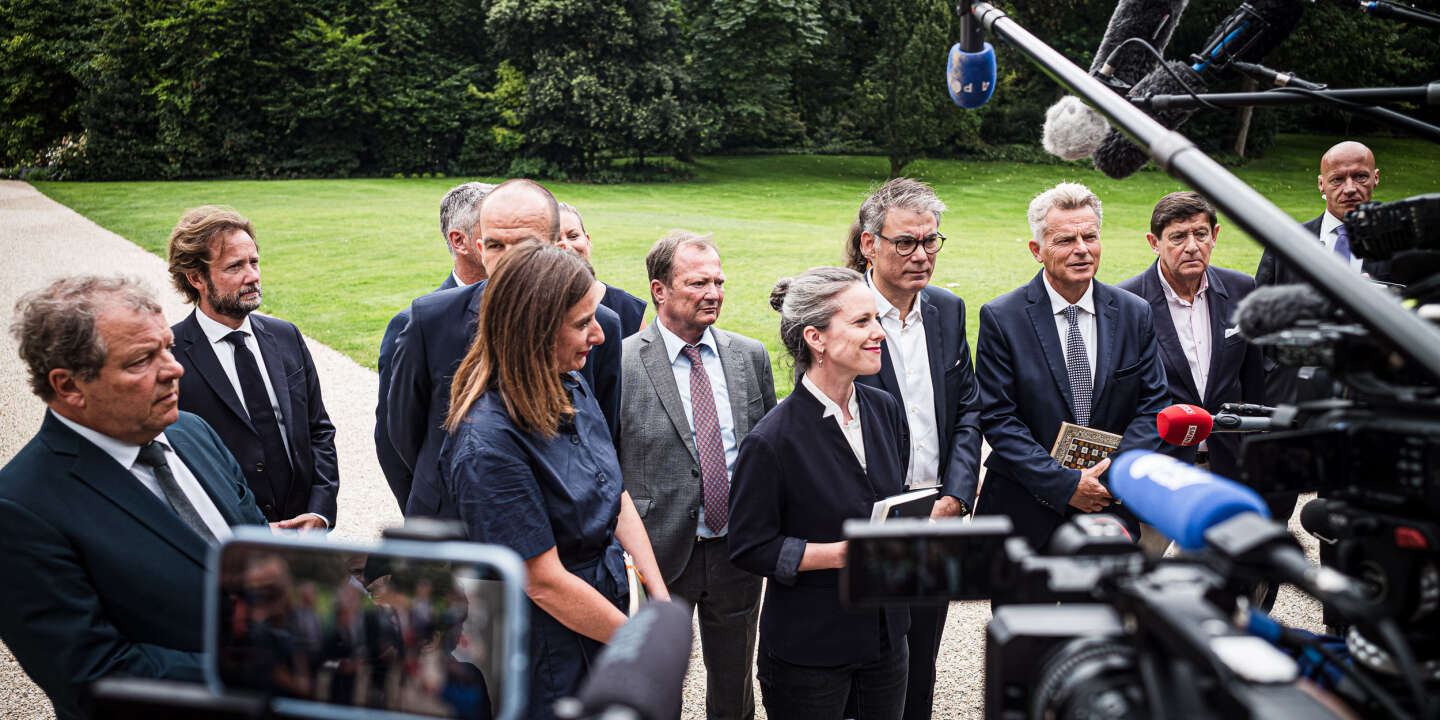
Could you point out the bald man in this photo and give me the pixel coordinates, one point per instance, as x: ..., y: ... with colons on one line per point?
x: 1348, y: 177
x: 441, y: 326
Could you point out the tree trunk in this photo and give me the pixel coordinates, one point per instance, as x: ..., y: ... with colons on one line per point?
x: 1250, y: 85
x: 897, y: 163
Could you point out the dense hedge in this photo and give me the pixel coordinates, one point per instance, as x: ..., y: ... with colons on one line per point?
x: 111, y: 89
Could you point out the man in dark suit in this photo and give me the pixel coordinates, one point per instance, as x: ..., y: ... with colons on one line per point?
x: 1348, y: 177
x: 460, y: 224
x: 925, y: 364
x: 573, y: 237
x: 1207, y: 362
x: 1063, y: 347
x: 441, y: 326
x: 106, y: 516
x: 250, y: 376
x: 690, y: 394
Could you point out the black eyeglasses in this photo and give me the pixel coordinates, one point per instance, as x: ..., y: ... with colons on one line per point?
x: 905, y: 245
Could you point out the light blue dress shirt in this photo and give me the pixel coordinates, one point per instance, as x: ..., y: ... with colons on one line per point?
x: 680, y: 365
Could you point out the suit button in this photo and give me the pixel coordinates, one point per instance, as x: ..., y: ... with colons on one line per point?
x: 694, y: 513
x: 694, y: 472
x: 600, y: 477
x: 574, y: 439
x: 259, y: 467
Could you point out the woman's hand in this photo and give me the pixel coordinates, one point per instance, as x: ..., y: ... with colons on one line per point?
x: 824, y: 556
x: 630, y: 531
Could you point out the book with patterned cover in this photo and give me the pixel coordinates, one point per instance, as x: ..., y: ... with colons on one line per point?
x: 1079, y: 447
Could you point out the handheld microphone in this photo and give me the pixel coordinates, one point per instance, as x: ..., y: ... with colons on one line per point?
x: 970, y: 71
x: 1073, y: 129
x: 1180, y: 500
x: 641, y: 671
x: 1184, y: 425
x: 1247, y: 34
x: 1272, y: 308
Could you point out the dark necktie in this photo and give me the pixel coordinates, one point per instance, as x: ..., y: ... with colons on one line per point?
x: 1342, y: 243
x: 714, y: 480
x: 152, y: 455
x: 1078, y: 366
x: 262, y: 415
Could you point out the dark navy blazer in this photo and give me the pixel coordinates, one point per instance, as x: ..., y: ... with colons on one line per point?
x: 797, y: 480
x: 427, y: 352
x: 206, y: 391
x: 1236, y: 372
x: 957, y: 395
x: 1025, y: 395
x: 631, y: 309
x: 101, y: 577
x: 396, y: 473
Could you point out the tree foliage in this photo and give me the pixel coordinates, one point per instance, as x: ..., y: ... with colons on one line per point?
x: 110, y: 89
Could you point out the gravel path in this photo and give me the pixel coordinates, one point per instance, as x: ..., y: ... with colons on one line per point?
x: 43, y: 240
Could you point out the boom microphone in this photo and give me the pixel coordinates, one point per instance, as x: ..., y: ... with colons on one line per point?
x: 1180, y: 500
x: 641, y: 671
x: 1073, y: 129
x: 1272, y: 308
x: 970, y: 71
x: 1247, y: 34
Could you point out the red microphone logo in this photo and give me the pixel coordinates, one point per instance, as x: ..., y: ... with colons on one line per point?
x: 1184, y: 425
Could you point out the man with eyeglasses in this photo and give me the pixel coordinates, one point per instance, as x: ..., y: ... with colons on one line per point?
x: 1206, y: 361
x: 925, y: 363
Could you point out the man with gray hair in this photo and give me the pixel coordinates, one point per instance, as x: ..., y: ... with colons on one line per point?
x: 460, y: 226
x: 108, y: 513
x: 925, y: 364
x: 690, y: 393
x: 1063, y: 348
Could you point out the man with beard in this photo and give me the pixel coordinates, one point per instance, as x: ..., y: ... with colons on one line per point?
x: 251, y: 376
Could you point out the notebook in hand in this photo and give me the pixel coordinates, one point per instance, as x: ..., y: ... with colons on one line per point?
x: 1079, y: 447
x: 915, y: 503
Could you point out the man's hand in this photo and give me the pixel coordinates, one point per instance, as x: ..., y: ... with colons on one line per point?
x: 947, y: 506
x: 1090, y: 495
x: 308, y: 521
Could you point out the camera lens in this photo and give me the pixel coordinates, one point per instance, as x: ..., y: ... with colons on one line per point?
x: 1089, y: 678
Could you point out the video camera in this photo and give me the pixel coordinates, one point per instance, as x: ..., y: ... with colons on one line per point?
x: 1091, y: 628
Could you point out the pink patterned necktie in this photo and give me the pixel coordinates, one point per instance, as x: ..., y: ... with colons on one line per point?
x: 714, y: 480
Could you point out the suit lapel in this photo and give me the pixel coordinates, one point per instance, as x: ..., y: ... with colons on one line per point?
x: 662, y: 378
x: 1218, y: 299
x: 274, y: 367
x: 1106, y: 324
x: 1044, y: 322
x: 1165, y: 332
x: 935, y: 349
x: 201, y: 353
x: 97, y: 470
x: 207, y: 472
x: 736, y: 382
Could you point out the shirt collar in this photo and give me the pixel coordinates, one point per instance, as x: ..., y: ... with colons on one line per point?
x: 885, y: 309
x: 124, y: 453
x: 831, y: 408
x: 1174, y: 297
x: 674, y: 345
x: 216, y: 332
x: 1328, y: 223
x: 458, y: 282
x: 1058, y: 303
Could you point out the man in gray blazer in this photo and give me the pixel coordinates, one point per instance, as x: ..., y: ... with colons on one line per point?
x: 689, y: 395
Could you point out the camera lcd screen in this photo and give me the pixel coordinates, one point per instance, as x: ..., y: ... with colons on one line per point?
x: 922, y: 561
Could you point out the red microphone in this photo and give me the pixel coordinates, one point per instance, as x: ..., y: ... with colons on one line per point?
x: 1184, y: 425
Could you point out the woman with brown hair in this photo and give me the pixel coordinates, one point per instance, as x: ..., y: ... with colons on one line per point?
x: 529, y: 463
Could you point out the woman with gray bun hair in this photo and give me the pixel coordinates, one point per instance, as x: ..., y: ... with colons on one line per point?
x: 821, y: 457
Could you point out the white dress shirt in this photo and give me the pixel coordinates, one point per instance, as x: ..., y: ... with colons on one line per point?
x: 1329, y: 224
x: 680, y: 366
x: 853, y: 433
x: 1192, y: 325
x: 126, y: 454
x: 1085, y: 319
x: 225, y: 353
x: 458, y: 282
x: 909, y: 354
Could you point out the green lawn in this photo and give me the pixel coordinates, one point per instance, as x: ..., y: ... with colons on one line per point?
x: 340, y: 257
